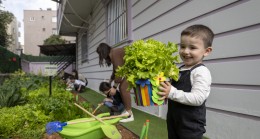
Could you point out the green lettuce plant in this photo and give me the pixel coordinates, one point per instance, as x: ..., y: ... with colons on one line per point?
x: 148, y: 60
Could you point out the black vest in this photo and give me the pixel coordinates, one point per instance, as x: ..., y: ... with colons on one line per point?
x: 185, y: 116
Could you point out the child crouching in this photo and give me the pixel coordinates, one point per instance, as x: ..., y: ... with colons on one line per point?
x: 113, y: 100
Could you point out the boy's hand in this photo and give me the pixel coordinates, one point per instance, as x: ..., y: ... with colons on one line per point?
x: 165, y: 88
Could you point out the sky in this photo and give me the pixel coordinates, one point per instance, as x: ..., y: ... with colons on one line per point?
x: 17, y: 6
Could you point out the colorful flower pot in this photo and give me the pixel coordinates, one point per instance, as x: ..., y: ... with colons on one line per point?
x: 145, y: 95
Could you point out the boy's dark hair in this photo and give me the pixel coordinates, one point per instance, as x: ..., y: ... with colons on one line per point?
x: 103, y: 51
x: 104, y: 86
x: 201, y: 31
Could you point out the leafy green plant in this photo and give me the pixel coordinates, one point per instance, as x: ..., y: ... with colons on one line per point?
x: 147, y: 59
x: 16, y: 120
x: 54, y: 39
x: 5, y: 19
x: 14, y: 90
x: 28, y: 120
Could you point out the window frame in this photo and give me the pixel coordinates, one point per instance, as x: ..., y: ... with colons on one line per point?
x: 84, y: 47
x: 54, y: 31
x: 54, y: 19
x: 32, y: 19
x: 114, y: 27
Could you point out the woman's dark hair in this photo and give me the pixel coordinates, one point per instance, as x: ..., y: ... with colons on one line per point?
x: 104, y: 86
x: 76, y: 74
x: 103, y: 51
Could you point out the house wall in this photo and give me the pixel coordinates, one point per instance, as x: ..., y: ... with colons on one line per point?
x: 233, y: 107
x: 96, y: 34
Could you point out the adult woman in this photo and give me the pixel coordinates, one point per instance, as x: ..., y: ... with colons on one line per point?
x: 114, y: 56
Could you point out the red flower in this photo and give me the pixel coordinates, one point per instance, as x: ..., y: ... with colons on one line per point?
x: 14, y: 59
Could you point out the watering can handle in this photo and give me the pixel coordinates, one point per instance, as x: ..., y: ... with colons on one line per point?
x: 99, y: 105
x: 89, y: 113
x: 104, y: 118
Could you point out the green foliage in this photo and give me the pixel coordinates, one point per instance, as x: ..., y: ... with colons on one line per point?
x: 14, y: 90
x: 146, y: 60
x: 15, y: 120
x: 10, y: 97
x: 5, y: 18
x: 54, y: 39
x: 29, y: 120
x: 9, y: 62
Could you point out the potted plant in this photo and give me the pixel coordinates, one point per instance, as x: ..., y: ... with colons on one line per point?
x: 146, y: 64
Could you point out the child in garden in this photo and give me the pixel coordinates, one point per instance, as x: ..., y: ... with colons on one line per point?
x: 113, y: 100
x: 79, y: 76
x: 186, y: 116
x: 78, y: 84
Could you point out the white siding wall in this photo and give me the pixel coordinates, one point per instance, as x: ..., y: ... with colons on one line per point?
x: 233, y: 106
x: 96, y: 35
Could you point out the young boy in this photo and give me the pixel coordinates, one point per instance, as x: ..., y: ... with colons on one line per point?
x: 186, y: 116
x: 78, y: 84
x: 113, y: 100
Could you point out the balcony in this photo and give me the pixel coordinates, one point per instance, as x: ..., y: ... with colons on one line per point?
x: 73, y: 15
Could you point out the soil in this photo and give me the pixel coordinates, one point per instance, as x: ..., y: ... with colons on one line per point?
x: 126, y: 134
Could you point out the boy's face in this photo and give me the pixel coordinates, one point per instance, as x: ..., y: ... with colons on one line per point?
x: 192, y: 50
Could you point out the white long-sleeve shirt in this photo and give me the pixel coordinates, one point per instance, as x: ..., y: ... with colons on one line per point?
x: 200, y: 78
x: 79, y: 82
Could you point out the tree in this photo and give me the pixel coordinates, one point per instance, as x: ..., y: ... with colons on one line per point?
x: 5, y: 19
x: 54, y: 39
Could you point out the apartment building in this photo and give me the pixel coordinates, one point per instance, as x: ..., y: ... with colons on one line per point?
x: 12, y: 30
x: 38, y: 25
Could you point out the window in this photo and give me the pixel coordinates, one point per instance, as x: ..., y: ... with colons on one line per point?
x: 84, y: 48
x: 54, y: 19
x: 117, y: 21
x: 54, y: 31
x: 32, y: 19
x: 43, y: 29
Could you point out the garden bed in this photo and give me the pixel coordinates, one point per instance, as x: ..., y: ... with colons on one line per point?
x: 126, y: 133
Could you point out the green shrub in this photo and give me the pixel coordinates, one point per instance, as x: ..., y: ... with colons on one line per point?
x: 16, y: 119
x: 14, y: 90
x: 28, y: 121
x: 9, y: 62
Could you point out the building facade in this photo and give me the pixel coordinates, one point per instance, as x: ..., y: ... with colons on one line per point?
x: 12, y: 30
x: 233, y: 110
x: 38, y: 26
